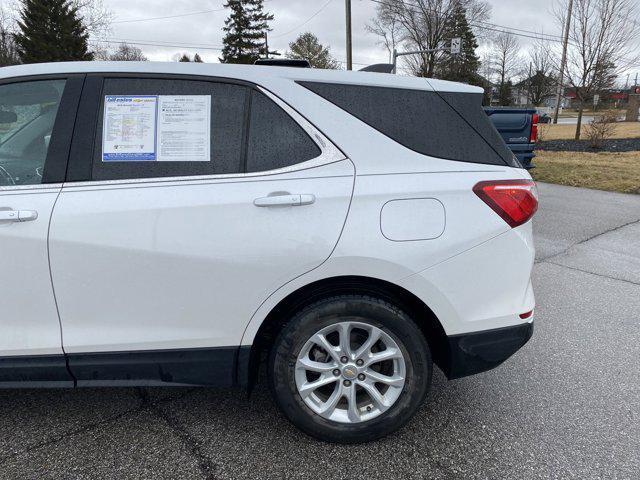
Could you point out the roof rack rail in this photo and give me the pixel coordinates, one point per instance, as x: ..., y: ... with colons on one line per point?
x: 283, y: 62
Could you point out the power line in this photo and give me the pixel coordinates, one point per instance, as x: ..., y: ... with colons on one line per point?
x: 510, y: 30
x: 159, y: 42
x: 175, y: 16
x: 541, y: 34
x: 494, y: 26
x: 156, y: 44
x: 305, y: 22
x: 170, y: 16
x: 183, y: 45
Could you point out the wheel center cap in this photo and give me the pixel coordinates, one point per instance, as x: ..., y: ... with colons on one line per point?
x: 350, y: 372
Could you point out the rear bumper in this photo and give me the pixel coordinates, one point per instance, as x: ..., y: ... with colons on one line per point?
x: 524, y: 152
x: 476, y: 352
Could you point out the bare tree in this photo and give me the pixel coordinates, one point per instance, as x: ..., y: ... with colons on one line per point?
x: 506, y: 57
x: 8, y: 51
x: 95, y: 17
x: 601, y: 40
x: 506, y: 63
x: 542, y: 83
x: 127, y: 53
x: 486, y: 72
x: 386, y: 26
x: 423, y: 26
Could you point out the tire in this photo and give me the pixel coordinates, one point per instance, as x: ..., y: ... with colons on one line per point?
x: 318, y: 414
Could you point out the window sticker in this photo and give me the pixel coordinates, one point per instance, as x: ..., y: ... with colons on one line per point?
x: 129, y: 128
x: 184, y: 128
x: 164, y: 128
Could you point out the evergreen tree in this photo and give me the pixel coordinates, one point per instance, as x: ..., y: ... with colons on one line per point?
x: 308, y: 47
x: 464, y: 66
x: 185, y: 58
x: 51, y: 31
x: 539, y: 87
x: 504, y: 93
x: 197, y: 59
x: 245, y: 28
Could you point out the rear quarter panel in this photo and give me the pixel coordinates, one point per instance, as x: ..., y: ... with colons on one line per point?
x: 386, y: 171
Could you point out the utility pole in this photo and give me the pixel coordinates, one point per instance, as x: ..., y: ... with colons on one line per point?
x: 266, y: 47
x: 530, y: 92
x: 349, y: 46
x: 455, y: 48
x: 563, y: 61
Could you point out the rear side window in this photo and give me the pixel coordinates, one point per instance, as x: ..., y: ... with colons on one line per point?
x: 451, y: 126
x: 275, y: 139
x: 149, y: 127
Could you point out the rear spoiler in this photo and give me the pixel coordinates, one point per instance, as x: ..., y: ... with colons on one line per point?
x: 284, y: 62
x: 379, y: 68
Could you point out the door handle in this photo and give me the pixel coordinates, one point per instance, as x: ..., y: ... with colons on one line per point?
x: 18, y: 215
x: 286, y: 200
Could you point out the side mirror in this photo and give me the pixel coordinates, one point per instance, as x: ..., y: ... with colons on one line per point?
x: 8, y: 117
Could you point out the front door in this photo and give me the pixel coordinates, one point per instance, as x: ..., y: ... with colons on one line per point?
x: 157, y: 278
x: 34, y: 142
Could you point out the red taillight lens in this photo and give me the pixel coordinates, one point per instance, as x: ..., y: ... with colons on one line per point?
x: 534, y: 128
x: 514, y: 200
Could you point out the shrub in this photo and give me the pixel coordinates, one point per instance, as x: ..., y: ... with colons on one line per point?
x: 600, y: 129
x: 543, y: 129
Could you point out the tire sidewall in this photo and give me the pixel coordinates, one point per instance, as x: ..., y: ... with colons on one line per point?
x: 374, y: 312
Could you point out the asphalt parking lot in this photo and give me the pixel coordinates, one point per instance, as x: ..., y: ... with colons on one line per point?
x: 566, y: 406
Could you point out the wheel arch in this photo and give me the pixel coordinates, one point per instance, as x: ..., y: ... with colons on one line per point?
x: 251, y: 357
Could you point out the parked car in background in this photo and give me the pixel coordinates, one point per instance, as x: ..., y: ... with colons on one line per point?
x: 519, y: 129
x: 184, y: 224
x: 544, y: 118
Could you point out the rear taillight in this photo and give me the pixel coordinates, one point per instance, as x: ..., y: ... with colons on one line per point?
x: 526, y: 315
x: 534, y: 128
x: 514, y: 200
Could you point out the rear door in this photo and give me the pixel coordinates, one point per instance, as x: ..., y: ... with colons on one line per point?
x: 160, y: 257
x: 36, y: 121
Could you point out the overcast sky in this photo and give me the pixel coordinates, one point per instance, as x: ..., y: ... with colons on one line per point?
x: 199, y: 29
x: 292, y: 17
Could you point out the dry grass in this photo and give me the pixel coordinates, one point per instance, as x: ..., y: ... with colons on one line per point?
x: 616, y: 172
x: 549, y: 131
x: 567, y: 113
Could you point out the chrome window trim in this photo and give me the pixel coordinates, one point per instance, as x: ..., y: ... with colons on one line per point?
x: 35, y: 188
x: 330, y: 153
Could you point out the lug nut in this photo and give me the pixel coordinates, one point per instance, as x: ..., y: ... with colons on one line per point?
x: 361, y: 377
x: 344, y: 359
x: 347, y: 383
x: 336, y: 372
x: 360, y: 362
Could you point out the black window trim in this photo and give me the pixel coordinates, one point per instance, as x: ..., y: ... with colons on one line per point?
x: 79, y: 169
x: 55, y: 165
x: 305, y: 84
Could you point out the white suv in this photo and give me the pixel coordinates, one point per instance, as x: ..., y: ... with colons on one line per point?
x: 183, y: 224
